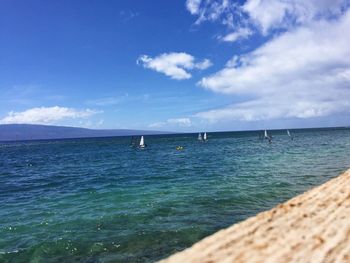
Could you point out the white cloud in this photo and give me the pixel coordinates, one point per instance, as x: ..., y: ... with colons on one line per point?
x: 182, y: 122
x: 270, y: 14
x: 264, y: 15
x: 174, y: 65
x: 276, y: 108
x: 193, y: 6
x: 46, y: 115
x: 204, y: 64
x: 241, y: 33
x: 212, y: 10
x: 302, y: 73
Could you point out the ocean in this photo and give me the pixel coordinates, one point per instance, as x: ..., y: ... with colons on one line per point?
x: 100, y: 200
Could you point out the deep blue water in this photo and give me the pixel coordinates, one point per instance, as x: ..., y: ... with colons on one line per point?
x: 99, y: 200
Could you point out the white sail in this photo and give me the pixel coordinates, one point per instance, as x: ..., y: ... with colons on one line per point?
x: 288, y: 133
x: 205, y: 136
x: 265, y: 134
x: 199, y: 136
x: 142, y: 142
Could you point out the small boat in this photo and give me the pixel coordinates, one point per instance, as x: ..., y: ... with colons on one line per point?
x: 200, y: 137
x: 205, y: 137
x: 142, y: 143
x: 266, y: 136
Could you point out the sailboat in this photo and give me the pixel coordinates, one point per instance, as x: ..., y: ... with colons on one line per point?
x: 290, y: 136
x: 205, y: 137
x: 288, y: 133
x: 265, y: 135
x: 142, y: 143
x: 200, y: 137
x: 268, y: 137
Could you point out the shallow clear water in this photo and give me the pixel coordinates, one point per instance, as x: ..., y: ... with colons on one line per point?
x: 99, y: 200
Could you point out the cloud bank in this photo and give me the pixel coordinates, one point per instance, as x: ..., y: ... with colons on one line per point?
x: 262, y: 16
x: 271, y: 14
x: 173, y: 65
x: 301, y: 73
x: 46, y: 115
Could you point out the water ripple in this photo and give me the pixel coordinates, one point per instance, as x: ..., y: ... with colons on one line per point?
x: 98, y: 200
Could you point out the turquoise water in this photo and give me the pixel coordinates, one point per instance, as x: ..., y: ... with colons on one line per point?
x: 99, y: 200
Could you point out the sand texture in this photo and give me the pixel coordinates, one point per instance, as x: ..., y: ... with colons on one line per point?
x: 312, y: 227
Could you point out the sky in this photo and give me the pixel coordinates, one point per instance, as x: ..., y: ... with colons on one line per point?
x: 182, y: 65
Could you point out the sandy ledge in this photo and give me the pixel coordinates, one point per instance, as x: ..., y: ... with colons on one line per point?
x: 312, y: 227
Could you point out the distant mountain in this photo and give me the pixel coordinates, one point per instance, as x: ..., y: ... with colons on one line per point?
x: 15, y: 132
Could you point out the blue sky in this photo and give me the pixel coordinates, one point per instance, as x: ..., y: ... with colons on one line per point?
x: 175, y: 65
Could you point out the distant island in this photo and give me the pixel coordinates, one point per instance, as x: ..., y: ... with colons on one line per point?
x: 23, y: 132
